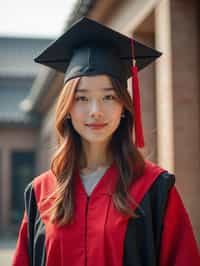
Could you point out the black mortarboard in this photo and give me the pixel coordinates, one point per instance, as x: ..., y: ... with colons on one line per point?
x: 90, y: 48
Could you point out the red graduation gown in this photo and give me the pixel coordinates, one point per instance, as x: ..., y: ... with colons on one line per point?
x: 102, y: 236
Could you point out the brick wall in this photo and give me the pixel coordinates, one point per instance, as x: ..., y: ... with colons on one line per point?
x: 186, y: 88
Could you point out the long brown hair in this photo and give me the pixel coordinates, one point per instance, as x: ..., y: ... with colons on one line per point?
x: 67, y: 156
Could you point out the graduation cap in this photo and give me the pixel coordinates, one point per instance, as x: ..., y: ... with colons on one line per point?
x: 90, y: 48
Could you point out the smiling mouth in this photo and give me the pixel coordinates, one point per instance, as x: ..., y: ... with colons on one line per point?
x: 96, y: 126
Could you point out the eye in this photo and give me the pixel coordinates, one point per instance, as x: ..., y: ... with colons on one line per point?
x: 81, y: 98
x: 110, y: 97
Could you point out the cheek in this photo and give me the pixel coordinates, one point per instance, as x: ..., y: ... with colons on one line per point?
x: 77, y: 113
x: 115, y: 111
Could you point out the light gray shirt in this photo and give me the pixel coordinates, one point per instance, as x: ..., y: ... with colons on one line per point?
x: 90, y: 180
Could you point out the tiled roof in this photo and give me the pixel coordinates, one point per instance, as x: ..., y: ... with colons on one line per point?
x: 10, y: 111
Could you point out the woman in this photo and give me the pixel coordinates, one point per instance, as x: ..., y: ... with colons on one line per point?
x: 101, y: 203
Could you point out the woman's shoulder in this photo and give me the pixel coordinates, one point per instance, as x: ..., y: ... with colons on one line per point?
x: 154, y: 177
x: 42, y: 185
x: 46, y: 178
x: 160, y: 178
x: 157, y: 172
x: 151, y: 190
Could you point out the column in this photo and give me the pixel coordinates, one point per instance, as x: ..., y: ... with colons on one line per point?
x: 164, y: 93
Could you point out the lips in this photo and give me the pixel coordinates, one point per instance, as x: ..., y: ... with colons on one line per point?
x: 96, y: 125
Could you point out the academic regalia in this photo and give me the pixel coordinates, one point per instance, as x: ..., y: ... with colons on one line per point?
x: 100, y: 235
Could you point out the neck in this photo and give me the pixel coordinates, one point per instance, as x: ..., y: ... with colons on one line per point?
x: 95, y: 155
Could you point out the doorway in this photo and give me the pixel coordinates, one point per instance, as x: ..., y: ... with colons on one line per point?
x: 22, y: 172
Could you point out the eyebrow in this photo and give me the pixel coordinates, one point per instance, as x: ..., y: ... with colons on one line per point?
x: 85, y: 90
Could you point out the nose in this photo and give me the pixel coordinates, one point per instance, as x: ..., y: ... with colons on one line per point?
x: 95, y: 109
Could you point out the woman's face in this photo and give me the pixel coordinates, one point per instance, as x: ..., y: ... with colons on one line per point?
x: 95, y: 103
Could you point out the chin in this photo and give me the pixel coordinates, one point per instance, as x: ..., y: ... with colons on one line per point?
x: 96, y: 139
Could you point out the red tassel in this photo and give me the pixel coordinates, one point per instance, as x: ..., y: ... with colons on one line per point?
x: 139, y: 137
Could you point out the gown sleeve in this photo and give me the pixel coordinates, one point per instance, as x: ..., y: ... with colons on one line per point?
x: 21, y: 251
x: 178, y: 244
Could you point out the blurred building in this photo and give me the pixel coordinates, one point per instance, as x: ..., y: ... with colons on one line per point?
x: 169, y: 88
x: 18, y: 129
